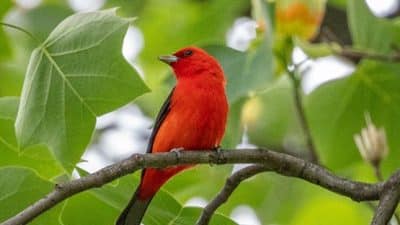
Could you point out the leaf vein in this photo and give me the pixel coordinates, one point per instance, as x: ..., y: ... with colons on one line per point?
x: 68, y: 32
x: 95, y: 44
x: 67, y: 82
x: 9, y: 145
x: 97, y: 75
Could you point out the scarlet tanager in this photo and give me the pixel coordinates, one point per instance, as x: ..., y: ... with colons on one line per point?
x: 193, y: 117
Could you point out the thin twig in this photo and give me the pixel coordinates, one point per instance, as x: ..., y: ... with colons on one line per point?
x: 339, y: 48
x: 230, y: 185
x: 297, y: 94
x: 360, y: 54
x: 281, y: 163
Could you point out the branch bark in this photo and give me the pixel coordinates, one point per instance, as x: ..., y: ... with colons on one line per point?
x: 388, y: 202
x: 281, y: 163
x: 230, y: 185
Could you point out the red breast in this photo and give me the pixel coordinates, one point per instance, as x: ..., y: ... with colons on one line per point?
x: 198, y: 105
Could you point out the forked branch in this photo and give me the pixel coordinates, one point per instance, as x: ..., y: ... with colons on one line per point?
x: 281, y: 163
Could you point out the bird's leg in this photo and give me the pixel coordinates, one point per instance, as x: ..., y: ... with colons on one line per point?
x: 177, y: 152
x: 220, y: 155
x: 217, y: 148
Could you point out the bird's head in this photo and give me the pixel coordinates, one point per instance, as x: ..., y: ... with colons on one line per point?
x: 191, y: 62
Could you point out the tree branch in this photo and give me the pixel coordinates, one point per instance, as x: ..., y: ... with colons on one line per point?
x: 281, y: 163
x: 230, y: 185
x: 388, y: 202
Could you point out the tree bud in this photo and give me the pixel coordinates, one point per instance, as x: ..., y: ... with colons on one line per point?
x: 371, y: 142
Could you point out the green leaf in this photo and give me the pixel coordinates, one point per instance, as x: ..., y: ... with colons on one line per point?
x: 85, y: 208
x: 245, y: 72
x: 151, y: 102
x: 317, y: 50
x: 10, y: 79
x: 271, y: 118
x: 39, y: 21
x: 8, y: 111
x: 8, y: 107
x: 338, y: 3
x: 4, y: 7
x: 197, y: 23
x: 336, y: 112
x: 51, y: 216
x: 202, y: 180
x: 5, y: 49
x: 189, y: 216
x: 251, y: 71
x: 117, y: 195
x: 19, y: 188
x: 162, y: 209
x: 272, y: 197
x: 368, y: 31
x: 233, y: 63
x: 78, y: 73
x: 234, y: 128
x: 36, y: 157
x: 127, y: 7
x: 349, y: 212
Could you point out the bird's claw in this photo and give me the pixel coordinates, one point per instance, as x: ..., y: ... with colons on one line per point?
x: 220, y: 157
x: 217, y: 148
x: 177, y: 152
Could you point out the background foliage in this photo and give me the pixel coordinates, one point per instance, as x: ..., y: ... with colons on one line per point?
x: 74, y: 71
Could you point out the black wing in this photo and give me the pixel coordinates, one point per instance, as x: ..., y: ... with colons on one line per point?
x: 135, y: 210
x: 162, y: 114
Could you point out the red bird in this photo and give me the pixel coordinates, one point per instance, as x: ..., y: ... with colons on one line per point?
x: 193, y: 117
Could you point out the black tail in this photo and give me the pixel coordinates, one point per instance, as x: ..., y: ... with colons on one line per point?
x: 134, y: 212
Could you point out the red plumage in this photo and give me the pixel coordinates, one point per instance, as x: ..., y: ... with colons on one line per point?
x: 193, y: 117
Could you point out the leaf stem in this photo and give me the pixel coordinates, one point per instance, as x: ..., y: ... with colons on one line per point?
x: 297, y: 95
x: 22, y: 30
x: 357, y: 55
x: 377, y: 171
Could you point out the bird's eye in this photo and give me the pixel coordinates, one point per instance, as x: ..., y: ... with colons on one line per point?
x: 187, y: 53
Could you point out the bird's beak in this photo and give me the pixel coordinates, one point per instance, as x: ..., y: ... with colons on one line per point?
x: 168, y: 58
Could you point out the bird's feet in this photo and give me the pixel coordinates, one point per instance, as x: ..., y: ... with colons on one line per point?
x: 177, y: 152
x: 217, y: 148
x: 220, y: 157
